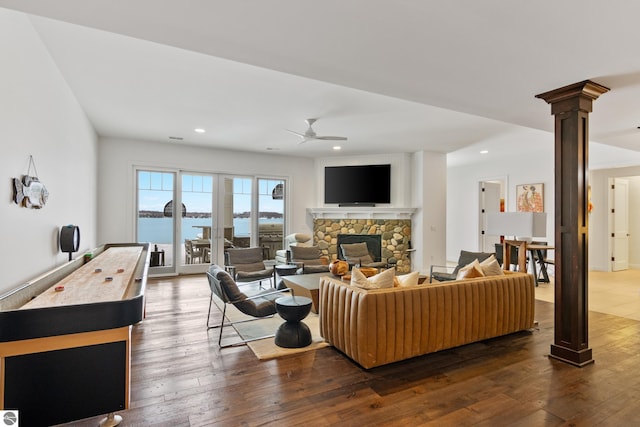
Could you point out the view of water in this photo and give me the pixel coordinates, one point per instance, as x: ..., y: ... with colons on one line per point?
x: 159, y: 230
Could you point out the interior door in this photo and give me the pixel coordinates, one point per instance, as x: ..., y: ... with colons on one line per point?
x: 490, y: 195
x: 620, y: 224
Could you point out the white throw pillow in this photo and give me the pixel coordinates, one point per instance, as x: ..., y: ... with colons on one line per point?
x: 491, y: 267
x: 404, y: 280
x: 380, y: 280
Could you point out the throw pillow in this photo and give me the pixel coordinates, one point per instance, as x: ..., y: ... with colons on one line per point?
x: 379, y: 281
x: 470, y: 271
x: 491, y: 267
x: 410, y: 279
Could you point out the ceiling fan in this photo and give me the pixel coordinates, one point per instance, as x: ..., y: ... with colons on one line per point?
x: 310, y: 134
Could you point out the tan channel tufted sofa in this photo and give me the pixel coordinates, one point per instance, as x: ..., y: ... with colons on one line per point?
x: 380, y: 326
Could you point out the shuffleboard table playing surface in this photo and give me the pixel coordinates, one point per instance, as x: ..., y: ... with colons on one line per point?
x: 105, y: 278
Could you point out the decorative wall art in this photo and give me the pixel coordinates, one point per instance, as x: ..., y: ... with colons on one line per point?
x: 530, y: 198
x: 29, y: 192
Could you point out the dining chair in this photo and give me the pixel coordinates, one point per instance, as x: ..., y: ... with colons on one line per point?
x: 191, y: 253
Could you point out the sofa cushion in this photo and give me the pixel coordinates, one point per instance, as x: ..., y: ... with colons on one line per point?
x: 470, y: 271
x: 491, y: 267
x: 378, y: 281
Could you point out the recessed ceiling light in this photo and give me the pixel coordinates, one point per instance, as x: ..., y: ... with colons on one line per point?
x: 484, y: 152
x: 337, y: 147
x: 199, y: 130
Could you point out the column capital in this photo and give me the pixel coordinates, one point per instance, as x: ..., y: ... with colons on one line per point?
x: 584, y: 89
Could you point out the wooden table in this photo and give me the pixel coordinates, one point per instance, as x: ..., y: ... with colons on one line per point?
x: 65, y: 337
x: 306, y: 285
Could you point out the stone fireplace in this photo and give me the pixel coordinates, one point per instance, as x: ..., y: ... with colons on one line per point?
x: 393, y: 226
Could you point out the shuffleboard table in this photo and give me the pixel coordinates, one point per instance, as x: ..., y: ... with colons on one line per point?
x: 65, y: 337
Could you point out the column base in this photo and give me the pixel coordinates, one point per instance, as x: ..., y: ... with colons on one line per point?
x: 577, y: 358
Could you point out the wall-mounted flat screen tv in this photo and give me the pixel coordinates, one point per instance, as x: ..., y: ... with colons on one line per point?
x: 353, y: 185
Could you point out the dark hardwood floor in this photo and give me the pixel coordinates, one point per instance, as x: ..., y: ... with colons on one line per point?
x: 181, y: 378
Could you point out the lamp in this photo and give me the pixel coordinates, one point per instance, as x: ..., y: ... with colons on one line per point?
x: 522, y: 226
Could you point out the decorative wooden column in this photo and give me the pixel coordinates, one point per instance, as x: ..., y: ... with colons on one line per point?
x: 571, y: 106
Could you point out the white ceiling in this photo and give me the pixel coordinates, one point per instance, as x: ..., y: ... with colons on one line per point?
x: 392, y: 76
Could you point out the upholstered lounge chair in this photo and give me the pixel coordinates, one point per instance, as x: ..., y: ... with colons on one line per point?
x: 247, y: 265
x: 257, y: 306
x: 358, y: 254
x: 443, y: 273
x: 309, y: 259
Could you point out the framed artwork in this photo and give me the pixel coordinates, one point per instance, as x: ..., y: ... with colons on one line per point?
x: 530, y: 198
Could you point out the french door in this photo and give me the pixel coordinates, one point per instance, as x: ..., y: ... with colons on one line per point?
x: 176, y: 214
x: 189, y: 218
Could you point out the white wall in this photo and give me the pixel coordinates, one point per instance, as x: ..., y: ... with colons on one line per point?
x: 41, y: 117
x: 429, y: 194
x: 400, y: 175
x: 418, y: 180
x: 534, y: 165
x: 116, y: 181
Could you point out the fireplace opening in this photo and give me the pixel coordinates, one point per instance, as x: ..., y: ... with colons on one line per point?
x: 373, y: 241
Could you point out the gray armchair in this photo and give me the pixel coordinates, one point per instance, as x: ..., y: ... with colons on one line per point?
x: 309, y: 259
x: 247, y: 265
x: 443, y: 273
x: 358, y: 254
x: 257, y: 306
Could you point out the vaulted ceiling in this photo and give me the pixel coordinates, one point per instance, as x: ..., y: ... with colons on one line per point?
x: 390, y: 75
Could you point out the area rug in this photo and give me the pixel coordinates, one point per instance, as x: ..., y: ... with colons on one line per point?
x: 266, y: 349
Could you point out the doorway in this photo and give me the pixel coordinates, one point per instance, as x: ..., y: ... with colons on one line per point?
x: 491, y: 199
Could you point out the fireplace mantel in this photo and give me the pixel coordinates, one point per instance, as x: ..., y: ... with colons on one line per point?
x: 361, y: 212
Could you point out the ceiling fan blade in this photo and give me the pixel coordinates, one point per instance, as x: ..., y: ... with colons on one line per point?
x: 301, y: 135
x: 332, y: 138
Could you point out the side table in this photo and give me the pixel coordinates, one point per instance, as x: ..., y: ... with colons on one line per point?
x: 293, y: 333
x: 283, y: 270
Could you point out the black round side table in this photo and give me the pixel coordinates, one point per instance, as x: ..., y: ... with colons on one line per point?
x: 293, y: 333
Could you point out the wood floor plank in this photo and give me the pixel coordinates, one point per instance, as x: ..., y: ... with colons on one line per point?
x: 181, y: 378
